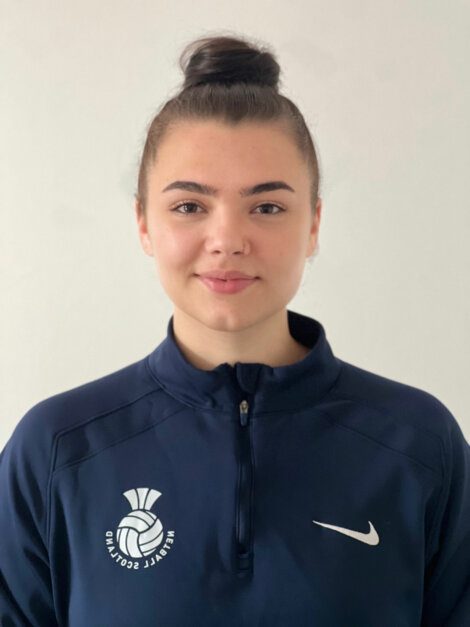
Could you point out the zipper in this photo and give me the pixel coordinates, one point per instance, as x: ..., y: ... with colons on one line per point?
x: 245, y: 488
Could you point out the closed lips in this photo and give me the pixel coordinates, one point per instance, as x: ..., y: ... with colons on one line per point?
x: 226, y: 276
x: 237, y: 279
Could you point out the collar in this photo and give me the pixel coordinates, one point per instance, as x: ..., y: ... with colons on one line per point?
x: 282, y: 388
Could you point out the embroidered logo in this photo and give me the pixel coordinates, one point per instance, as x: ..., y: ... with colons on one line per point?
x: 140, y: 533
x: 371, y: 537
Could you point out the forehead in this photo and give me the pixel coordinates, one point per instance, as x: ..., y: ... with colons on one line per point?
x: 218, y: 130
x: 199, y: 149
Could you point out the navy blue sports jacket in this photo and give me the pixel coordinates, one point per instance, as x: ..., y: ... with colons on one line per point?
x: 163, y: 495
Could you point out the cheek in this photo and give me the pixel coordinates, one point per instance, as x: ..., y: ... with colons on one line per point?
x: 285, y: 251
x: 174, y: 247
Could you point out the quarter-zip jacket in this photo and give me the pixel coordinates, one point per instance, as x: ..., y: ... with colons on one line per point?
x: 165, y: 495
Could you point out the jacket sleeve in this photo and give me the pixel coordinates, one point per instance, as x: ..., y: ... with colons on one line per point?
x: 25, y: 582
x: 447, y: 577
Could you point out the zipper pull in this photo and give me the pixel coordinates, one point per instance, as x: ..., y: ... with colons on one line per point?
x: 244, y: 407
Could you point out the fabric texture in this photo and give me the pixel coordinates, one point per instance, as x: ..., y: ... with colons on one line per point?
x: 161, y: 494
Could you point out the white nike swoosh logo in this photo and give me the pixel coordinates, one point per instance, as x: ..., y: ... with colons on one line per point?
x: 371, y: 537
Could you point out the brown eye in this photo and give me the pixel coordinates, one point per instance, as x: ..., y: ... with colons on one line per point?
x: 268, y: 204
x: 185, y: 204
x: 193, y: 204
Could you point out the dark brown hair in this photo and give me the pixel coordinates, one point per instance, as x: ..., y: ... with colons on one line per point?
x: 231, y: 80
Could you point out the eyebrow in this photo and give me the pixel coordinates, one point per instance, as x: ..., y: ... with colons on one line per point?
x: 199, y: 188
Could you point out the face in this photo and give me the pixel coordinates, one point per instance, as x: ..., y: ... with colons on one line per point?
x: 267, y: 235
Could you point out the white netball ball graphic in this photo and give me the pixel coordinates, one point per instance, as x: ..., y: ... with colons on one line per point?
x: 140, y: 532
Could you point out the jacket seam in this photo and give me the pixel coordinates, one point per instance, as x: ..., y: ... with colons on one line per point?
x: 372, y: 439
x: 384, y: 412
x: 254, y: 416
x: 441, y: 474
x: 178, y: 399
x: 54, y: 448
x: 443, y: 492
x: 124, y: 439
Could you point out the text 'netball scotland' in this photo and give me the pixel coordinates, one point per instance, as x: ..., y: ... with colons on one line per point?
x: 140, y: 533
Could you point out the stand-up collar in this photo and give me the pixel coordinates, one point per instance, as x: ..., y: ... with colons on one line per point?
x: 282, y: 388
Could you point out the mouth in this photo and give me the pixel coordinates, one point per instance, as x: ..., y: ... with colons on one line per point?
x: 226, y: 286
x: 227, y: 276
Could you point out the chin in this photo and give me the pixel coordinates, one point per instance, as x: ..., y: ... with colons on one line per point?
x: 225, y: 319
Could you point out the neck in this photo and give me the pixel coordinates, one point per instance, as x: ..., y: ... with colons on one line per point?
x: 267, y: 341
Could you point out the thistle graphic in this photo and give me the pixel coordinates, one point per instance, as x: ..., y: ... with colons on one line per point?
x: 140, y: 532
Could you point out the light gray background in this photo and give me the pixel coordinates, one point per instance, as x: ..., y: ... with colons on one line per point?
x: 384, y: 88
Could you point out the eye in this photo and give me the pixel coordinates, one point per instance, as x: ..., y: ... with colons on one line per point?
x: 268, y: 204
x: 193, y: 204
x: 184, y: 204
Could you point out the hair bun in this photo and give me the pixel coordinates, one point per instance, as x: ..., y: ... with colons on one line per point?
x: 228, y: 60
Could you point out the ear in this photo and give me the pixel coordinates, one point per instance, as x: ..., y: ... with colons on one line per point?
x: 314, y: 228
x: 141, y: 219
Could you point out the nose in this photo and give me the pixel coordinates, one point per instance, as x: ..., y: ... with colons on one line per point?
x: 227, y: 233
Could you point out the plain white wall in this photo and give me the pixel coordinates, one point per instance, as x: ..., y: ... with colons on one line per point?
x: 384, y: 88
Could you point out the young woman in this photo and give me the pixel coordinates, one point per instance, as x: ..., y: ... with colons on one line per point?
x: 240, y: 474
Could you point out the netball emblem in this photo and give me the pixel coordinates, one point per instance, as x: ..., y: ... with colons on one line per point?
x: 140, y: 532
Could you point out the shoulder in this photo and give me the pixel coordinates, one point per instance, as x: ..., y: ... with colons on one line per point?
x: 65, y: 428
x: 72, y: 414
x: 400, y: 416
x: 408, y: 403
